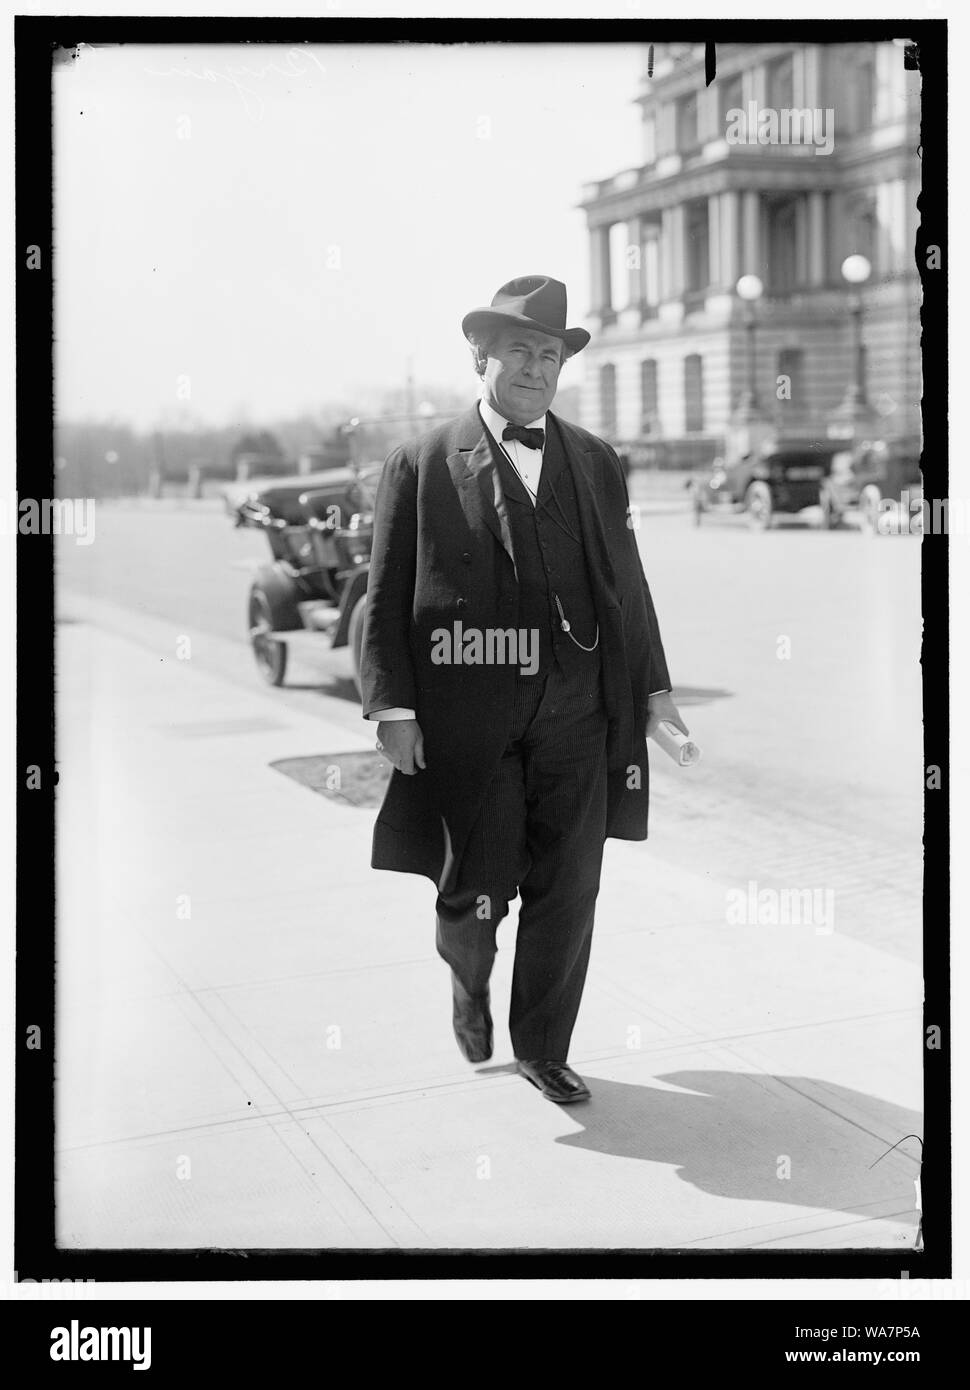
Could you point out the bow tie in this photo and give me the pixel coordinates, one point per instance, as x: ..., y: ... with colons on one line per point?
x: 532, y: 439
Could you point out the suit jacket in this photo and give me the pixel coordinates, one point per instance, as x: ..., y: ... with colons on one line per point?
x: 443, y: 553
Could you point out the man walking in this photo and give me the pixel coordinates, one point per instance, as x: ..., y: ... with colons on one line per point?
x: 512, y: 659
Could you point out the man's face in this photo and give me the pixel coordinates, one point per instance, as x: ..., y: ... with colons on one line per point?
x: 522, y: 373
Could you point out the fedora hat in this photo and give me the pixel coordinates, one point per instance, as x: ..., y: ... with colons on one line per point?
x: 531, y: 301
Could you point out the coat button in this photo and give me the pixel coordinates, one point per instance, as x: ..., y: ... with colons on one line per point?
x: 467, y: 558
x: 460, y: 603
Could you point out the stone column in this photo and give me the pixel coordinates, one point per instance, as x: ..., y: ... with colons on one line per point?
x: 887, y: 65
x: 811, y: 84
x: 664, y: 129
x: 753, y: 87
x: 677, y: 249
x: 714, y: 241
x: 650, y: 252
x: 666, y: 255
x: 707, y: 123
x: 751, y: 242
x: 728, y: 228
x: 600, y: 287
x: 634, y: 237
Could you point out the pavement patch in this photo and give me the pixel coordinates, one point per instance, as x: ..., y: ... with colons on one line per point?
x: 357, y: 779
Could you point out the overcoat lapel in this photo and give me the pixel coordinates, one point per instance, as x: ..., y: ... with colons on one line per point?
x: 476, y: 477
x: 579, y: 461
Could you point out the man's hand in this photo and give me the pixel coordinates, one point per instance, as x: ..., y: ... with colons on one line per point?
x: 402, y: 744
x: 661, y: 707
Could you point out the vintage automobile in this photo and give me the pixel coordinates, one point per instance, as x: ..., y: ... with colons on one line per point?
x: 320, y: 528
x: 784, y: 476
x: 881, y: 480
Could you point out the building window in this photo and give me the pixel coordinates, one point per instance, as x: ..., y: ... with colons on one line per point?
x: 782, y: 271
x: 687, y: 136
x: 780, y: 83
x: 697, y: 232
x: 693, y: 393
x: 608, y: 399
x: 649, y: 402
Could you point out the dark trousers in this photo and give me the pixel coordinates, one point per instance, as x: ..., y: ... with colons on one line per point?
x: 540, y: 834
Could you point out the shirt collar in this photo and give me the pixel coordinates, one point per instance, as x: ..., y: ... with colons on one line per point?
x: 496, y: 424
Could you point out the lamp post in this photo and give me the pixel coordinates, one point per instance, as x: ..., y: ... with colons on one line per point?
x: 349, y: 431
x: 111, y: 457
x: 749, y: 423
x: 854, y: 415
x: 750, y: 289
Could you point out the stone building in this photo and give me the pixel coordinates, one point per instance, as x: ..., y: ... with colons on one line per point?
x: 793, y: 159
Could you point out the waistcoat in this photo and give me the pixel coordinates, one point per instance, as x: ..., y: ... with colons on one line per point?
x: 550, y: 558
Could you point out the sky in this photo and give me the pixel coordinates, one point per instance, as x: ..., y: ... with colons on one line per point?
x: 246, y: 232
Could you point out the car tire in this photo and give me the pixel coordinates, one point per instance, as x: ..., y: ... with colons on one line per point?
x: 697, y: 502
x: 758, y: 506
x: 270, y: 655
x: 355, y: 637
x: 831, y: 516
x: 869, y: 513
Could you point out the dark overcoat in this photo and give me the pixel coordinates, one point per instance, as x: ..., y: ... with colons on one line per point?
x: 443, y: 554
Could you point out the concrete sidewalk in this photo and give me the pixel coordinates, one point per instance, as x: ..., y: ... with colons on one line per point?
x: 254, y: 1043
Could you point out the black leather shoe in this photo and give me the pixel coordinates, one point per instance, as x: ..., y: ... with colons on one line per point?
x: 555, y: 1080
x: 472, y: 1022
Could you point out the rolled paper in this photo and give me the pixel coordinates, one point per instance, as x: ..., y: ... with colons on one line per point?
x: 684, y: 751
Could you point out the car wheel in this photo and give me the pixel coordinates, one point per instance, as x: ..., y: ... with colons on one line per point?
x: 869, y: 511
x: 270, y: 655
x: 831, y: 516
x: 757, y: 501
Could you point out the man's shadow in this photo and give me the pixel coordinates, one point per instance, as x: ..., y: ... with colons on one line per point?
x: 753, y: 1137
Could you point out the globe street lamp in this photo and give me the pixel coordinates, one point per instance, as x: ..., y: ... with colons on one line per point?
x: 854, y: 415
x: 349, y: 431
x: 749, y: 425
x: 750, y: 290
x: 111, y: 457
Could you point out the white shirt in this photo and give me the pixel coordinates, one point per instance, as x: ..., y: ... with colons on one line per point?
x: 528, y: 463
